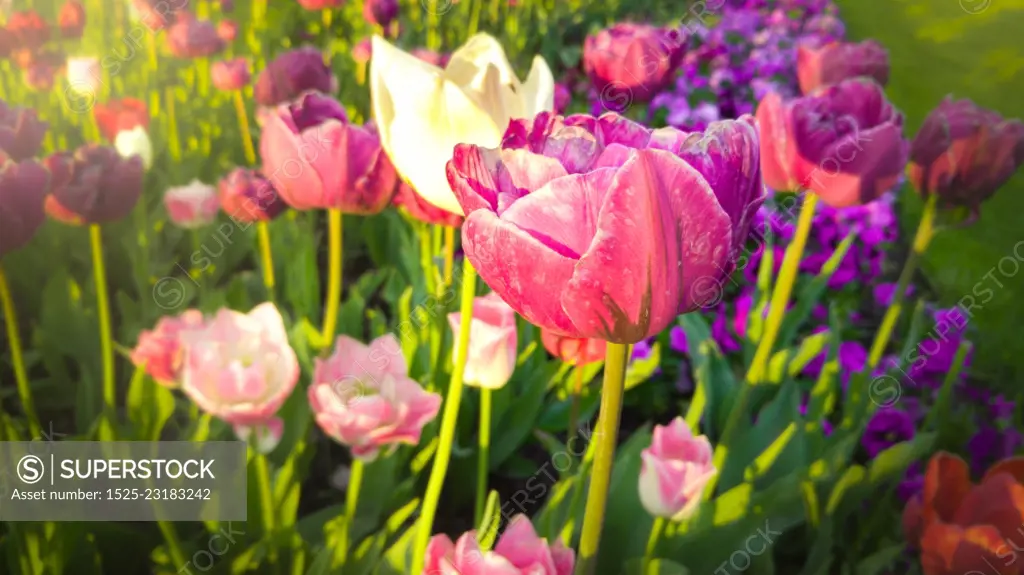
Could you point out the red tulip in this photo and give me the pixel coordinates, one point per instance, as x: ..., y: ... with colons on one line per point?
x: 119, y: 115
x: 835, y: 62
x: 843, y: 143
x: 71, y: 19
x: 30, y: 29
x: 634, y: 58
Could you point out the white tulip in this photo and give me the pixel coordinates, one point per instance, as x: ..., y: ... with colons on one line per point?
x: 135, y: 142
x: 85, y: 76
x: 422, y: 111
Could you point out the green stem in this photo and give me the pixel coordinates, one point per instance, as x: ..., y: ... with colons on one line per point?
x: 263, y: 234
x: 267, y: 512
x: 173, y: 543
x: 652, y: 542
x: 433, y: 37
x: 484, y: 456
x: 243, y: 124
x: 474, y: 17
x: 574, y: 408
x: 106, y: 343
x: 925, y: 232
x: 449, y: 253
x: 446, y: 437
x: 333, y: 276
x: 606, y: 436
x: 172, y: 124
x: 20, y: 375
x: 355, y: 482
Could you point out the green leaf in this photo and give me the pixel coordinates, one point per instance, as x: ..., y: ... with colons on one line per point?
x: 820, y: 558
x: 641, y: 370
x: 656, y: 567
x: 711, y: 371
x: 876, y: 563
x: 519, y: 420
x: 789, y: 362
x: 149, y: 406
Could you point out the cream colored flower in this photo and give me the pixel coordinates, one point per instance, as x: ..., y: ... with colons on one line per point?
x: 135, y: 142
x: 423, y: 111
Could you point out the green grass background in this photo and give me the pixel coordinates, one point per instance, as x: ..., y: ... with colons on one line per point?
x: 973, y: 49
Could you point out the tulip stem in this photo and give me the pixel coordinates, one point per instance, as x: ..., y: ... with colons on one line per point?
x: 334, y: 271
x: 172, y: 124
x: 355, y: 482
x: 433, y: 37
x: 263, y: 234
x: 173, y: 543
x: 106, y: 344
x: 925, y: 232
x: 449, y: 253
x: 446, y: 437
x: 265, y: 493
x: 607, y: 435
x: 574, y: 407
x: 243, y: 123
x: 20, y: 375
x: 657, y: 530
x: 484, y: 456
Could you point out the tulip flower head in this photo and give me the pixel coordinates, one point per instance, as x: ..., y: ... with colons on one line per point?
x: 93, y: 185
x: 317, y: 159
x: 423, y: 111
x: 492, y: 342
x: 320, y: 4
x: 229, y: 75
x: 227, y: 30
x: 246, y: 196
x: 240, y: 368
x: 41, y: 69
x: 632, y: 62
x: 843, y: 143
x: 30, y: 29
x: 363, y: 397
x: 836, y: 61
x: 159, y: 350
x: 601, y: 228
x: 85, y: 76
x: 71, y: 19
x: 519, y: 551
x: 574, y: 351
x: 21, y: 133
x: 417, y: 208
x: 156, y: 14
x: 964, y: 153
x: 291, y: 74
x: 135, y: 142
x: 8, y: 42
x: 22, y: 192
x: 192, y: 206
x: 675, y: 469
x: 362, y: 51
x: 190, y: 37
x: 120, y: 115
x: 380, y: 12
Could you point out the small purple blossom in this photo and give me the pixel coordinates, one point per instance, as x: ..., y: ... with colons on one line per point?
x: 887, y: 428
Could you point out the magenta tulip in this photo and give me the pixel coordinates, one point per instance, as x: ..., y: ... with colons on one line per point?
x: 492, y: 342
x: 291, y: 74
x: 159, y: 350
x: 602, y: 228
x: 519, y: 551
x: 675, y: 469
x: 22, y: 192
x: 964, y: 153
x: 380, y: 12
x: 835, y: 62
x: 635, y: 59
x: 844, y: 143
x: 189, y: 37
x: 246, y: 196
x: 362, y: 397
x: 230, y: 75
x: 316, y: 158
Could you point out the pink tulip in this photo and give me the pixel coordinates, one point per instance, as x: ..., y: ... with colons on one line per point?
x: 835, y: 62
x: 492, y: 342
x: 192, y: 206
x: 519, y: 551
x: 675, y: 469
x: 160, y: 350
x: 316, y: 158
x: 602, y: 228
x: 239, y: 367
x: 230, y: 74
x: 844, y: 143
x: 636, y: 60
x: 362, y: 397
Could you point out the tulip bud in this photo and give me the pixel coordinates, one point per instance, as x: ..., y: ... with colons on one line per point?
x: 246, y: 196
x: 835, y: 62
x: 965, y: 153
x: 636, y: 59
x: 492, y: 342
x: 227, y: 30
x: 519, y: 551
x: 30, y: 29
x: 193, y: 38
x: 362, y: 51
x: 22, y: 191
x: 380, y: 12
x: 192, y: 206
x: 71, y: 19
x: 93, y: 185
x: 675, y: 469
x: 573, y: 350
x: 21, y: 133
x: 85, y: 77
x: 135, y: 142
x: 159, y: 350
x: 230, y: 75
x: 119, y: 116
x: 291, y: 74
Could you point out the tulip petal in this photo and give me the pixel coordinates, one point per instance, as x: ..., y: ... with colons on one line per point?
x: 538, y: 89
x: 951, y: 550
x: 946, y: 483
x: 777, y: 149
x: 1012, y: 465
x: 997, y: 501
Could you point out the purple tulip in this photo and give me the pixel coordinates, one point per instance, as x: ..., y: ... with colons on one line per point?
x: 93, y: 185
x: 316, y: 158
x: 189, y: 37
x: 965, y: 153
x: 292, y: 73
x: 229, y: 75
x: 22, y: 191
x: 634, y: 60
x: 21, y: 133
x: 833, y: 63
x: 246, y: 196
x: 380, y: 12
x: 602, y: 228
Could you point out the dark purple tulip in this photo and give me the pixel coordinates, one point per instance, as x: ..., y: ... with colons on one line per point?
x: 247, y: 196
x: 192, y: 38
x: 887, y: 428
x: 292, y: 73
x: 21, y: 133
x: 965, y: 153
x: 22, y: 191
x: 633, y: 60
x: 231, y: 74
x: 835, y: 62
x: 380, y: 12
x: 93, y: 185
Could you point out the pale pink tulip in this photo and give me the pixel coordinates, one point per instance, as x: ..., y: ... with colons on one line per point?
x: 362, y: 397
x: 159, y: 350
x: 492, y: 342
x: 519, y: 551
x: 192, y: 206
x: 239, y: 367
x: 675, y: 469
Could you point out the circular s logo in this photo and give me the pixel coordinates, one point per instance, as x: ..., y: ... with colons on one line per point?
x: 30, y: 469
